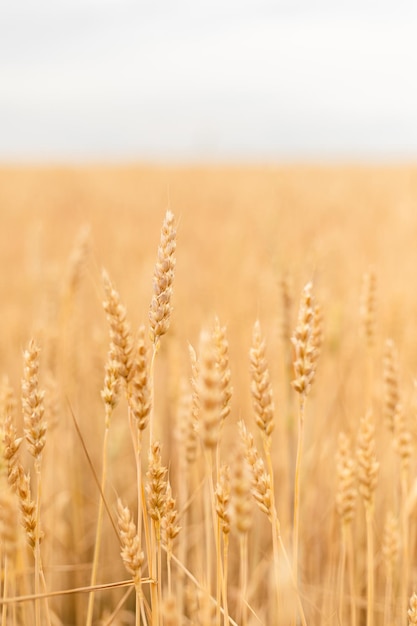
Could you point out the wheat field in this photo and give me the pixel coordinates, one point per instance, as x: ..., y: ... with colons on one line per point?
x: 208, y: 396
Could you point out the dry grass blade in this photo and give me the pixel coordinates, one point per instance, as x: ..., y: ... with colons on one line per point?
x: 91, y: 465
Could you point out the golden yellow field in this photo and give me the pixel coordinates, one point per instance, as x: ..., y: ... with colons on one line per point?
x: 248, y: 241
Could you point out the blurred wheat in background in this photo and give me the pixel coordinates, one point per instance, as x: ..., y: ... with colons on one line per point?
x: 208, y: 410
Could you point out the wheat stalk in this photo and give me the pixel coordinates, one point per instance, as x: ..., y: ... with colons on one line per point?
x: 35, y: 435
x: 110, y: 396
x: 306, y: 342
x: 222, y: 495
x: 161, y: 304
x: 242, y: 519
x: 390, y: 552
x: 346, y: 504
x: 170, y: 530
x: 156, y: 490
x: 368, y: 317
x: 368, y: 468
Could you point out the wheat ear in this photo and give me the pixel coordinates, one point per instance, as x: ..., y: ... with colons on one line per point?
x: 404, y: 447
x: 110, y: 396
x: 118, y: 368
x: 139, y: 402
x: 396, y: 420
x: 346, y: 504
x: 367, y: 476
x: 391, y: 384
x: 390, y: 552
x: 170, y: 530
x: 306, y: 346
x: 35, y: 435
x: 121, y: 340
x: 156, y: 490
x: 131, y: 553
x: 223, y: 490
x: 262, y: 492
x: 161, y: 303
x: 242, y: 522
x: 210, y: 405
x: 368, y: 317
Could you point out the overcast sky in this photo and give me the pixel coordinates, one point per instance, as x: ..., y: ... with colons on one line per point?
x: 224, y: 79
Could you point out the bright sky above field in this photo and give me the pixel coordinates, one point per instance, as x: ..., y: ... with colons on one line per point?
x: 222, y: 79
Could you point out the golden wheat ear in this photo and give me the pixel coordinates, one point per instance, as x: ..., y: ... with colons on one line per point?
x: 261, y: 387
x: 121, y: 340
x: 131, y: 552
x: 161, y: 304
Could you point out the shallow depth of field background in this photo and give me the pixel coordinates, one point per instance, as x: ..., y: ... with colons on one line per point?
x: 240, y: 232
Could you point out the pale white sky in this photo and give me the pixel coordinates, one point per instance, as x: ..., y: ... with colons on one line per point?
x: 225, y: 79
